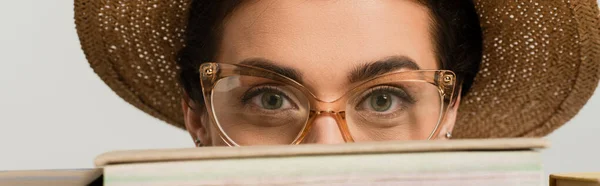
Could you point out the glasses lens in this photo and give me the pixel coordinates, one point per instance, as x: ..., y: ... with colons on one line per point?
x: 258, y: 111
x: 400, y: 110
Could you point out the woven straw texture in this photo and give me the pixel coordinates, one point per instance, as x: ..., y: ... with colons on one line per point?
x: 541, y: 60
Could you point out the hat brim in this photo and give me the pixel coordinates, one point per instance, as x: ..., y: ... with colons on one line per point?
x: 541, y: 61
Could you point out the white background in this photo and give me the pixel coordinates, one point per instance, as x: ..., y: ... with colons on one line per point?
x: 56, y: 113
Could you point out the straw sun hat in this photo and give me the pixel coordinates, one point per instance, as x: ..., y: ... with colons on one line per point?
x: 541, y: 61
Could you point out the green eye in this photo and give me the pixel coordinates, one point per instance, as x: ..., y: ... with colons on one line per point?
x: 271, y: 101
x: 381, y: 101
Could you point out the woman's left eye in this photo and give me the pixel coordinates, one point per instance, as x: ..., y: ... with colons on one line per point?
x: 383, y: 100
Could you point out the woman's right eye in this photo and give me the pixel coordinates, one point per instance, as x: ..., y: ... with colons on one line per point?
x: 271, y: 101
x: 268, y: 99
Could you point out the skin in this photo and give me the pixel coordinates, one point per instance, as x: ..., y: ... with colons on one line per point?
x: 324, y: 41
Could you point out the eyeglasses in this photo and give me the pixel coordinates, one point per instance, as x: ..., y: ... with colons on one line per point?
x: 255, y: 106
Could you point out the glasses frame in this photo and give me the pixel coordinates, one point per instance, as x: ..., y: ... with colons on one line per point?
x: 212, y: 72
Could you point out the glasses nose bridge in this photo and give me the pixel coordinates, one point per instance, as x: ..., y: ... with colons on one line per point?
x: 335, y: 108
x: 338, y: 116
x: 319, y: 106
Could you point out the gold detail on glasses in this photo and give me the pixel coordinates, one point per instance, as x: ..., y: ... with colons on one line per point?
x: 447, y: 78
x: 208, y: 71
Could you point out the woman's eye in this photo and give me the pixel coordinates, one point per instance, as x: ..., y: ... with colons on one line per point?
x: 381, y: 101
x: 384, y: 100
x: 271, y: 101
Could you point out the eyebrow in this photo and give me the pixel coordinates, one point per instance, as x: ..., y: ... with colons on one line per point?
x: 271, y: 66
x: 360, y: 73
x: 380, y: 67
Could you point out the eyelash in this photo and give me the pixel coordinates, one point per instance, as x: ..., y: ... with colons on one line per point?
x: 257, y: 90
x: 396, y: 91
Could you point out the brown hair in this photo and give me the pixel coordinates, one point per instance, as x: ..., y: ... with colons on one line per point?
x: 455, y: 29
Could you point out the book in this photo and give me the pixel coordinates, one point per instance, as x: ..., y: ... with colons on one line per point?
x: 575, y: 179
x: 453, y: 162
x: 74, y: 177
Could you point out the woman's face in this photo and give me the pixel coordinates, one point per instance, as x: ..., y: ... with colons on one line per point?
x: 325, y: 43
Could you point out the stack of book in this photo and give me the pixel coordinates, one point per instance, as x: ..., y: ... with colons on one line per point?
x: 487, y: 162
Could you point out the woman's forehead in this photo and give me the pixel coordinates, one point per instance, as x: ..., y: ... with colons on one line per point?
x: 328, y: 39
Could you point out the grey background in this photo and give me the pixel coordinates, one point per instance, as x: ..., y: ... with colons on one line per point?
x: 56, y: 113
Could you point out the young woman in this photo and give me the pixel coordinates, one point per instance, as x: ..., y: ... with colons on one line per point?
x: 289, y: 72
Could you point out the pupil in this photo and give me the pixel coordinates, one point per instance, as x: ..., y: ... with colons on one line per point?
x: 381, y: 102
x: 272, y: 101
